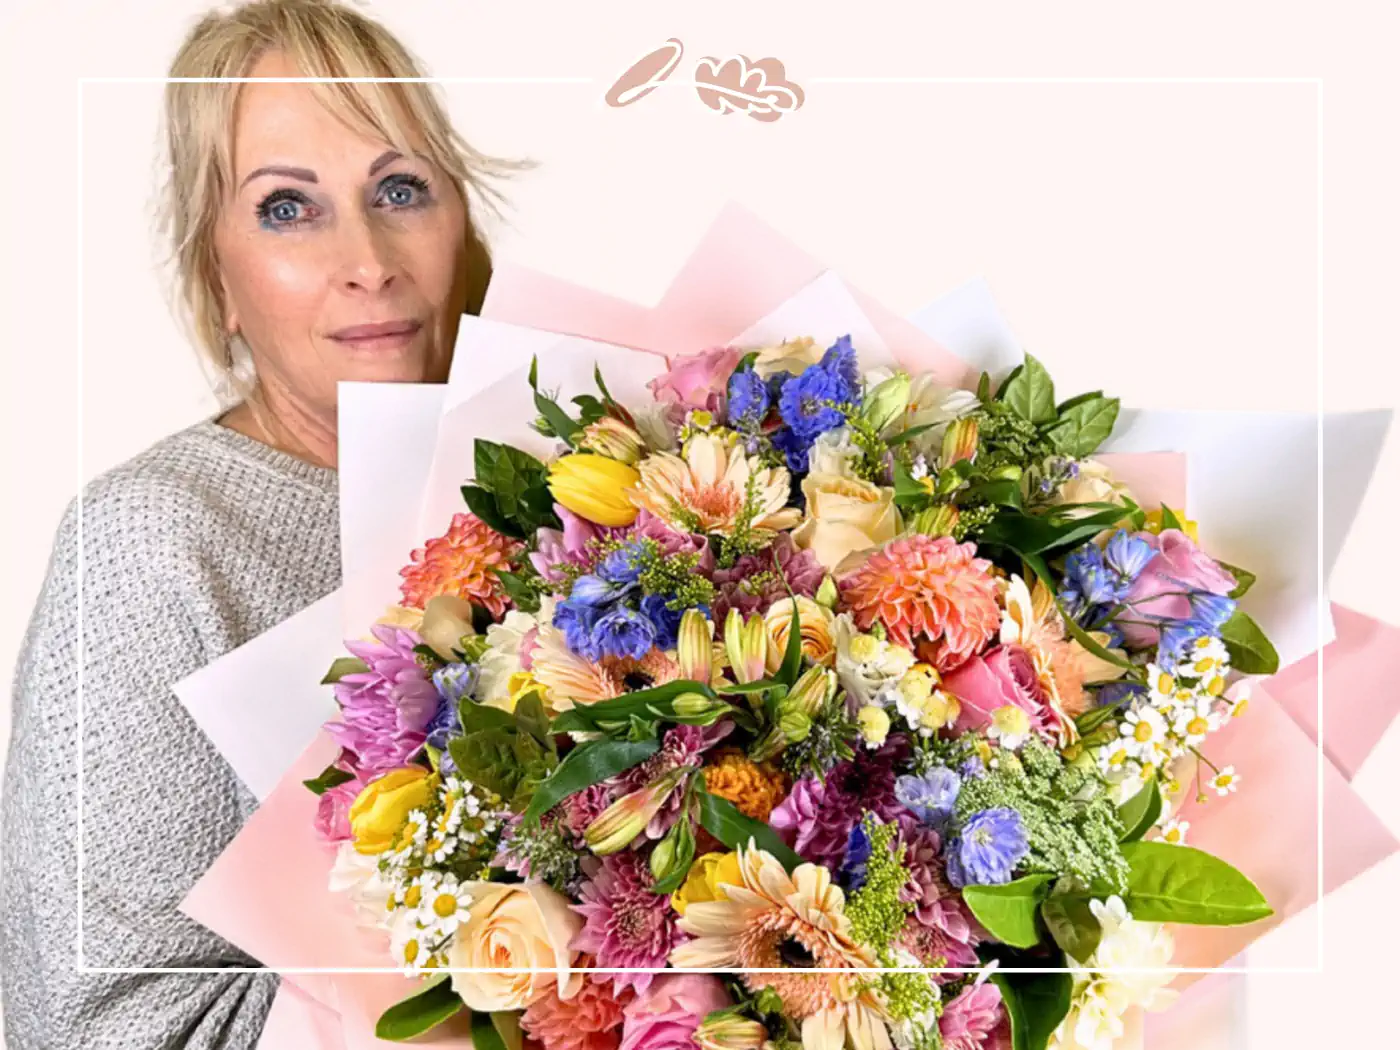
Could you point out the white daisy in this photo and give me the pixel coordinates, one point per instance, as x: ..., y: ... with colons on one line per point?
x: 1226, y: 781
x: 1192, y: 724
x: 448, y: 907
x: 1174, y: 831
x: 1144, y: 729
x: 1207, y: 656
x: 439, y: 847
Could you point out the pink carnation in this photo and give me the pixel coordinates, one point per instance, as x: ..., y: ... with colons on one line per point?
x: 590, y: 1020
x: 625, y: 923
x: 697, y: 380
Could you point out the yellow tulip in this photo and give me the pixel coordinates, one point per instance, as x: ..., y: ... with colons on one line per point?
x: 1154, y: 523
x: 594, y: 487
x: 380, y: 809
x: 707, y: 874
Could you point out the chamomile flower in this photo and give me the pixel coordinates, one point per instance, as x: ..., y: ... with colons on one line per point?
x: 1144, y: 728
x: 438, y: 848
x: 450, y: 816
x: 1115, y: 758
x: 1226, y: 781
x: 448, y: 906
x: 1161, y: 686
x: 1240, y: 701
x: 415, y: 828
x: 1194, y: 723
x: 412, y: 893
x: 1206, y: 656
x: 1174, y: 832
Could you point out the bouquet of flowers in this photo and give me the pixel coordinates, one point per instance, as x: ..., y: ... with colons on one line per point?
x: 809, y: 703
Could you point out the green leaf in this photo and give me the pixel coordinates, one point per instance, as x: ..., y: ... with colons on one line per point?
x: 1168, y: 883
x: 908, y: 435
x: 984, y: 388
x: 563, y: 425
x: 1250, y: 650
x: 484, y: 1033
x: 721, y: 819
x: 1000, y: 492
x: 1140, y: 812
x: 487, y: 757
x: 584, y: 766
x: 518, y: 590
x: 426, y: 1008
x: 1244, y: 579
x: 1036, y: 1003
x: 792, y: 656
x: 652, y: 704
x: 507, y: 1024
x: 1084, y: 425
x: 1009, y: 910
x: 518, y: 483
x: 343, y: 666
x: 1039, y: 534
x: 483, y: 504
x: 474, y: 716
x: 1030, y: 393
x: 1072, y: 924
x: 532, y: 718
x: 1170, y: 520
x: 328, y: 778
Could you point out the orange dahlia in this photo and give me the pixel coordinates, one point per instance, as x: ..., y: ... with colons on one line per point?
x: 460, y: 563
x: 756, y: 790
x: 931, y: 593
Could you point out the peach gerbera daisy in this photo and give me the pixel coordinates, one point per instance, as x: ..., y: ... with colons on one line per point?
x: 569, y: 679
x: 931, y: 593
x: 705, y: 489
x: 779, y: 920
x: 460, y: 563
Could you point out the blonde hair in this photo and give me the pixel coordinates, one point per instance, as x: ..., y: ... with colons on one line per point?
x: 323, y: 38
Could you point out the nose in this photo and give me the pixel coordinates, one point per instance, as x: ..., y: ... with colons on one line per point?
x: 366, y: 256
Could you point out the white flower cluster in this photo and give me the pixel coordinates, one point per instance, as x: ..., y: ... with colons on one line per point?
x: 1171, y: 721
x: 880, y: 676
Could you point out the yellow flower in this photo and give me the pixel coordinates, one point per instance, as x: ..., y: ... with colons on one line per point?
x: 756, y: 790
x: 594, y: 487
x: 383, y: 805
x: 874, y: 724
x: 845, y: 516
x: 1093, y: 484
x: 791, y: 355
x: 708, y: 873
x: 1155, y: 524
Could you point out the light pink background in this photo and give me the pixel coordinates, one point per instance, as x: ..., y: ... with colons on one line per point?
x: 1118, y: 223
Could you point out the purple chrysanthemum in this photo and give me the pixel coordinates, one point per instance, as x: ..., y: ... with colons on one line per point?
x: 625, y: 923
x: 817, y: 817
x: 752, y: 584
x: 988, y: 848
x: 386, y: 709
x: 940, y: 925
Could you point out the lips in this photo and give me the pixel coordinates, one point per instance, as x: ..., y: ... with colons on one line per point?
x: 383, y: 330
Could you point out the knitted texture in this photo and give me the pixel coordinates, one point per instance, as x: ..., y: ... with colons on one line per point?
x: 188, y: 550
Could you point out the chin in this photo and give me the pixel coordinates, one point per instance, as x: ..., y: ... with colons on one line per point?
x: 410, y: 364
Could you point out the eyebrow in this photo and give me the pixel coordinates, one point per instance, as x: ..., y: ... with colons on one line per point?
x: 307, y: 175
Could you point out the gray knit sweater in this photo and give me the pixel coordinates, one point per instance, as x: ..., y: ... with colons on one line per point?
x: 189, y: 549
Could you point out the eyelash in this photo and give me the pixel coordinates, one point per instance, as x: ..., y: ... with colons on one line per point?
x: 276, y: 197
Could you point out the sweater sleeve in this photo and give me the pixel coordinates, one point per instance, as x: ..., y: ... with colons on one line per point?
x: 157, y: 802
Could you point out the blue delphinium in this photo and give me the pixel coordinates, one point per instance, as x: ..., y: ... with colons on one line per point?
x: 929, y: 797
x: 1177, y: 640
x: 1088, y: 581
x: 987, y: 849
x: 445, y: 724
x: 622, y: 566
x: 810, y: 404
x: 577, y: 620
x: 667, y: 621
x: 623, y: 632
x: 851, y: 874
x: 749, y: 399
x: 1211, y: 610
x: 794, y: 449
x: 1126, y: 556
x: 454, y: 681
x: 594, y: 591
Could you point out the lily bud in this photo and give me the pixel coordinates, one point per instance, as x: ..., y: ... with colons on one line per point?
x: 731, y: 1032
x: 811, y: 692
x: 694, y: 647
x: 795, y: 726
x: 615, y: 439
x: 959, y: 442
x: 746, y: 645
x: 887, y: 401
x: 937, y: 520
x: 618, y: 826
x: 674, y: 852
x: 698, y: 710
x: 827, y: 594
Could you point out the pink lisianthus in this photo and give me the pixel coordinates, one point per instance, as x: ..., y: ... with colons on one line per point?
x: 975, y: 1019
x: 1179, y: 566
x: 666, y: 1015
x: 697, y: 380
x: 333, y: 811
x: 1003, y: 676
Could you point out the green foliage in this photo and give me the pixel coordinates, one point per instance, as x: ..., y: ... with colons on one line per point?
x: 1036, y: 1003
x: 493, y: 750
x: 328, y: 778
x: 1168, y: 883
x: 426, y: 1008
x: 1250, y: 650
x: 1140, y: 812
x: 1009, y: 910
x: 343, y: 666
x: 511, y: 491
x: 585, y: 766
x: 876, y: 910
x: 723, y: 820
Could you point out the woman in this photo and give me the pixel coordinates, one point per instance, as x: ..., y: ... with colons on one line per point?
x: 321, y: 232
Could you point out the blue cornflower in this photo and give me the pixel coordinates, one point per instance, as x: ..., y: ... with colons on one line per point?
x: 988, y: 849
x: 1212, y: 610
x: 455, y: 681
x: 852, y: 872
x: 929, y: 797
x: 623, y: 632
x: 748, y: 399
x: 622, y: 566
x: 1127, y: 555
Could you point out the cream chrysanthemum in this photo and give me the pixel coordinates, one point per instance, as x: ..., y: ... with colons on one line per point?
x: 779, y: 920
x: 706, y: 488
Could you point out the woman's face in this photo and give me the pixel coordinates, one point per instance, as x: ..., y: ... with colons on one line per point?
x: 340, y: 258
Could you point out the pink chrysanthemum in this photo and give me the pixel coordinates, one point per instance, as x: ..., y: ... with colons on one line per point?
x: 975, y: 1020
x: 931, y: 594
x: 385, y: 709
x: 940, y: 931
x: 590, y: 1020
x: 460, y: 563
x: 625, y: 923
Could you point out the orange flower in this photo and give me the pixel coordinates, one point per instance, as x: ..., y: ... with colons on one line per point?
x: 756, y: 790
x: 460, y: 563
x: 931, y: 594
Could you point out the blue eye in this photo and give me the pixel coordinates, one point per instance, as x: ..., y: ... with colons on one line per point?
x: 404, y: 191
x: 282, y: 209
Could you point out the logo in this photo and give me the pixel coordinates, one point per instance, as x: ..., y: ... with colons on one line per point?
x: 758, y: 89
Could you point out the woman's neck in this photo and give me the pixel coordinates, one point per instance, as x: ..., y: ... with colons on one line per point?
x: 278, y: 422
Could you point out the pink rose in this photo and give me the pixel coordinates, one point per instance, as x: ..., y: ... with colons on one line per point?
x: 1000, y: 677
x: 665, y: 1016
x: 1179, y: 566
x: 333, y: 811
x: 697, y: 380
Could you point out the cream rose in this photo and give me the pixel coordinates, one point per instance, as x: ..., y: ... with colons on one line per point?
x: 1093, y: 485
x: 792, y: 355
x: 845, y: 516
x: 815, y: 622
x: 515, y: 927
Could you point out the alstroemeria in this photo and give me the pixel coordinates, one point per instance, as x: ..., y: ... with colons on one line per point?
x: 746, y: 645
x: 619, y: 825
x: 695, y: 647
